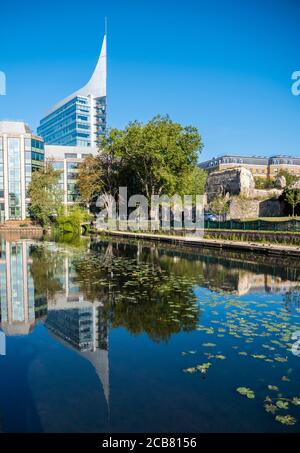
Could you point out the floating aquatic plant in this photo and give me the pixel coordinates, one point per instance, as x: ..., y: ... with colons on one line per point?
x: 282, y: 404
x: 296, y: 401
x: 245, y: 391
x: 271, y: 408
x: 203, y: 367
x: 190, y: 370
x: 286, y: 419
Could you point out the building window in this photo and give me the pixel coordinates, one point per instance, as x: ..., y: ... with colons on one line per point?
x: 14, y: 178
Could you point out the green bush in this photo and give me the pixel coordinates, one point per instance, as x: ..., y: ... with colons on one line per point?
x: 71, y: 222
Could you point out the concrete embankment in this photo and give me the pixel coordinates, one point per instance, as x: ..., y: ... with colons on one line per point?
x: 199, y: 242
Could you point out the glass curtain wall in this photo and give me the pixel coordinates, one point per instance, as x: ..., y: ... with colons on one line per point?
x: 14, y: 178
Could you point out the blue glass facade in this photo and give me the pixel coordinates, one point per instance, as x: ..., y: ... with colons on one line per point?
x: 79, y: 122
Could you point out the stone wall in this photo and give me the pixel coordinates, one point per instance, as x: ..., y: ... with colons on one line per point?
x: 243, y: 209
x: 235, y: 181
x: 266, y: 193
x: 250, y: 209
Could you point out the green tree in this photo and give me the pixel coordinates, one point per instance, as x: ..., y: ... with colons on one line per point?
x: 155, y: 157
x: 292, y: 197
x: 46, y: 196
x: 290, y: 179
x: 71, y: 222
x: 219, y: 205
x: 89, y: 179
x: 194, y: 182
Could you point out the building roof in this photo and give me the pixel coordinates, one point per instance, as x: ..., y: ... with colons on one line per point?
x: 14, y: 127
x: 95, y: 87
x: 254, y: 159
x: 59, y: 151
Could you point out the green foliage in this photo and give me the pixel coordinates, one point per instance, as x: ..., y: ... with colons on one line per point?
x: 292, y: 197
x: 194, y: 183
x: 46, y: 195
x: 153, y: 158
x: 44, y: 276
x: 219, y: 205
x: 89, y: 179
x: 71, y: 222
x: 132, y: 291
x: 269, y: 183
x: 290, y: 179
x: 264, y: 183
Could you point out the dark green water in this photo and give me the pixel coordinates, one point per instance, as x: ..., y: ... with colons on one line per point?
x: 112, y: 336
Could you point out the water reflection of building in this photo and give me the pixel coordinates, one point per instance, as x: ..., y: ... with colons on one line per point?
x: 19, y: 305
x: 80, y: 324
x: 235, y: 275
x: 70, y: 318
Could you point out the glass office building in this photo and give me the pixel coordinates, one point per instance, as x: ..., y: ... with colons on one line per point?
x: 19, y: 302
x: 66, y: 159
x: 21, y: 153
x: 79, y: 119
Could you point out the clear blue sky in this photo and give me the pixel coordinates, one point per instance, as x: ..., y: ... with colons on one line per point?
x: 223, y: 66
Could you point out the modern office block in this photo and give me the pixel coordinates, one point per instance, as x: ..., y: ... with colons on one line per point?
x: 79, y: 119
x: 66, y: 159
x: 17, y: 294
x: 21, y: 153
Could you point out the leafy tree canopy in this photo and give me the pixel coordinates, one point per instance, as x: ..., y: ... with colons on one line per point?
x: 292, y: 197
x: 152, y: 158
x: 45, y: 194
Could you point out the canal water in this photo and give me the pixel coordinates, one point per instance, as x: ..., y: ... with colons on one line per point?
x: 107, y: 336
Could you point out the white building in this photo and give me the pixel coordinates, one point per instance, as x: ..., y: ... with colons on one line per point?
x: 21, y: 153
x: 67, y: 159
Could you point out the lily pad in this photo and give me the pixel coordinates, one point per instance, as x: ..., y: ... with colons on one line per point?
x: 296, y: 401
x: 203, y: 367
x: 190, y: 370
x: 245, y: 391
x: 286, y: 419
x: 270, y: 408
x: 282, y: 404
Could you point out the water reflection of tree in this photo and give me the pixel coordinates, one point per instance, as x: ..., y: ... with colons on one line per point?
x: 45, y: 268
x: 292, y: 299
x: 138, y: 295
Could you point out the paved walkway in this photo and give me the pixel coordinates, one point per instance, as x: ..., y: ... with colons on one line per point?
x: 194, y: 241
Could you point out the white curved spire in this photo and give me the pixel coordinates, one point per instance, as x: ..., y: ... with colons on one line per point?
x: 95, y: 87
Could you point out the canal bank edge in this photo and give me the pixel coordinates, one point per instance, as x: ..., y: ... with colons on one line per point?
x: 266, y: 248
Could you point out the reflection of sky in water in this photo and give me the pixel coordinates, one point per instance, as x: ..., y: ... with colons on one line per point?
x: 110, y: 365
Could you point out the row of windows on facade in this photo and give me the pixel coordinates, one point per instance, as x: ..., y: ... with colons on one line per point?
x: 66, y: 117
x: 64, y: 139
x: 62, y: 110
x: 214, y: 163
x: 76, y: 103
x: 68, y: 126
x: 70, y: 117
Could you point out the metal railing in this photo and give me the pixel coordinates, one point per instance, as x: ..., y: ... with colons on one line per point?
x: 292, y: 225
